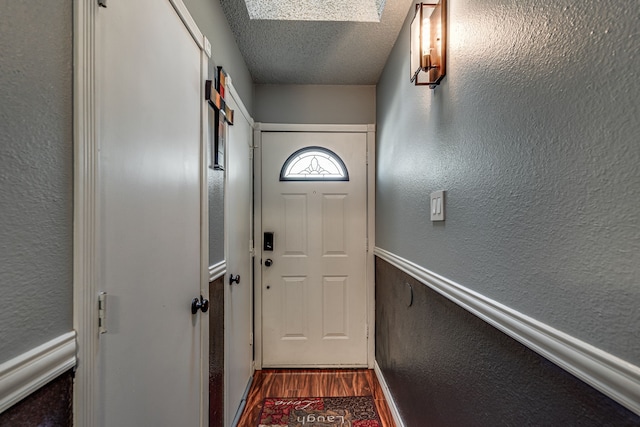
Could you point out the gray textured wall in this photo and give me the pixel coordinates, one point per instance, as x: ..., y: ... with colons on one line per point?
x: 212, y: 22
x: 535, y: 135
x: 216, y: 183
x: 36, y: 167
x: 216, y: 216
x: 447, y: 367
x: 315, y: 104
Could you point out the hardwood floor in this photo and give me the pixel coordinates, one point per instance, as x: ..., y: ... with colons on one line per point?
x: 313, y: 383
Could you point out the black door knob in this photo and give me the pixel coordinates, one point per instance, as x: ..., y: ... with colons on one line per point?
x: 268, y: 262
x: 234, y: 279
x: 199, y: 304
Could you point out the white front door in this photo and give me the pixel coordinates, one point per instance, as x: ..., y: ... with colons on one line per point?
x: 149, y: 128
x: 314, y: 293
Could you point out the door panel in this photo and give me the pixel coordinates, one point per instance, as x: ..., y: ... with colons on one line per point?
x: 334, y: 307
x: 294, y: 293
x: 333, y: 225
x: 314, y: 293
x: 149, y: 88
x: 295, y: 224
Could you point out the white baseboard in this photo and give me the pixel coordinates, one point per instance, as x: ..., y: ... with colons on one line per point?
x: 217, y: 270
x: 616, y: 378
x: 26, y: 373
x: 387, y: 395
x: 243, y: 402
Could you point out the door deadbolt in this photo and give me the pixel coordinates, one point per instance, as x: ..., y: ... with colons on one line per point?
x: 268, y: 241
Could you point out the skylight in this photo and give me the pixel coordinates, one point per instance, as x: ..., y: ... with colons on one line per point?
x: 316, y: 10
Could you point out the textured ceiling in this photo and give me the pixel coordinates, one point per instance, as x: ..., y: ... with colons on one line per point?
x: 316, y: 10
x: 316, y: 52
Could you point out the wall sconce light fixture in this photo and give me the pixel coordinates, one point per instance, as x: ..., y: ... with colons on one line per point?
x: 428, y: 43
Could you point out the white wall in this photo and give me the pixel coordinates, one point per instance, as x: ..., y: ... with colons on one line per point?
x: 317, y: 104
x: 535, y: 135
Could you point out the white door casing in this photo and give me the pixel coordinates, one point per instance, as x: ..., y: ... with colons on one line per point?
x: 149, y: 87
x: 314, y: 295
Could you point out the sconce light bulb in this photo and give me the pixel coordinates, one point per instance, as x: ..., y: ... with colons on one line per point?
x: 426, y: 62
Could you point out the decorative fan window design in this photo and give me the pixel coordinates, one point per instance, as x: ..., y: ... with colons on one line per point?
x: 314, y: 164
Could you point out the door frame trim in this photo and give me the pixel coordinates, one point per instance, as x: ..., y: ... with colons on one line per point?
x: 86, y: 196
x: 86, y: 207
x: 205, y: 273
x: 369, y: 130
x: 292, y: 127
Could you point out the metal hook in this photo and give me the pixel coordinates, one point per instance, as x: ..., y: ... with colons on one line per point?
x: 410, y: 294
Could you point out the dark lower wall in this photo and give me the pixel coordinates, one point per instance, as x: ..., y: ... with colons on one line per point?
x: 446, y: 367
x: 48, y: 407
x: 216, y: 353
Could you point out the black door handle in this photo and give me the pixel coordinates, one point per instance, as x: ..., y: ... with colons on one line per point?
x: 233, y: 279
x: 268, y: 262
x: 199, y: 304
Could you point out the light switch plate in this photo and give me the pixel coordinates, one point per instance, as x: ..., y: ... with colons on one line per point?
x: 207, y: 47
x: 437, y: 205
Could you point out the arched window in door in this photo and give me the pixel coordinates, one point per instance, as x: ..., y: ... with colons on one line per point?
x: 314, y: 164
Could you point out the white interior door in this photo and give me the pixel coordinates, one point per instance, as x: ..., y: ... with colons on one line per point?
x: 150, y: 97
x: 238, y: 296
x: 314, y: 293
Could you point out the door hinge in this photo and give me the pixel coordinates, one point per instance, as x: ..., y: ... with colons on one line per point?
x: 102, y: 312
x: 250, y: 338
x: 252, y: 249
x: 366, y: 331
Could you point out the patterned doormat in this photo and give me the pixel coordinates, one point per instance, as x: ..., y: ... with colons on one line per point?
x: 359, y: 411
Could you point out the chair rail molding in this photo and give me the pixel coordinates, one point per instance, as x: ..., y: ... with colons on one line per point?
x: 217, y: 270
x: 614, y: 377
x: 26, y: 373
